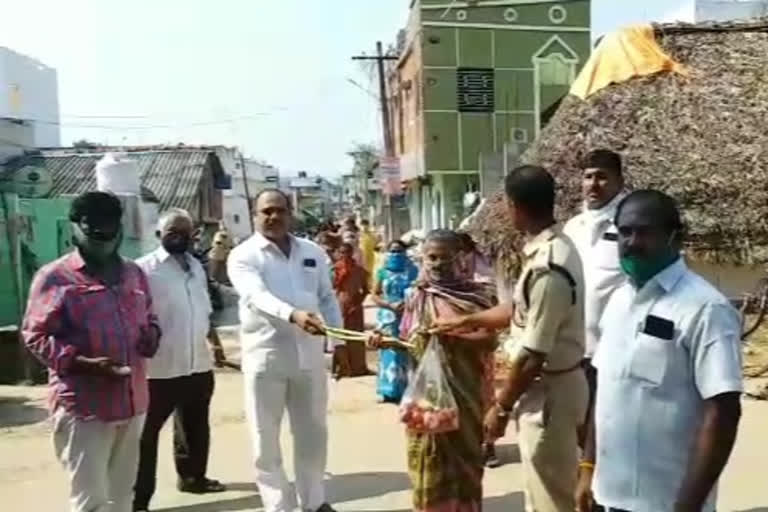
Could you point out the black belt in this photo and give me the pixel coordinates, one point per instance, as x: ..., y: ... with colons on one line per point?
x: 575, y: 367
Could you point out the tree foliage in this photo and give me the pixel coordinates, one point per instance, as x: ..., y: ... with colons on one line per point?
x: 364, y: 156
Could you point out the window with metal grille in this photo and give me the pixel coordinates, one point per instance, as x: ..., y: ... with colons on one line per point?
x: 475, y: 89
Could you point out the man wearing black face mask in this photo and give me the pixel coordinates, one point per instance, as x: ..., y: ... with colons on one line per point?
x: 90, y: 321
x: 181, y: 375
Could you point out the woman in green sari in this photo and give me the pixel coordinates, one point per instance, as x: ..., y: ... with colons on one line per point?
x: 446, y: 469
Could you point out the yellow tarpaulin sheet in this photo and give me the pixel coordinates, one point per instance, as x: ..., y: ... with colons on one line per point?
x: 621, y: 55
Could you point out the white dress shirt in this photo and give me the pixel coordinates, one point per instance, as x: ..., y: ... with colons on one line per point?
x: 651, y: 390
x: 271, y: 286
x: 596, y: 239
x: 183, y: 308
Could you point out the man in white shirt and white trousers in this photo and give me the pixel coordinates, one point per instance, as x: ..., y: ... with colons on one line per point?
x: 595, y: 237
x: 668, y: 375
x: 284, y: 286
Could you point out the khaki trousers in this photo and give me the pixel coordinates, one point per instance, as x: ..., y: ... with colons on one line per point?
x: 101, y: 459
x: 548, y: 417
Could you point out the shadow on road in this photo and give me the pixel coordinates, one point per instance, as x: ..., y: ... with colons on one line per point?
x: 16, y: 412
x: 358, y: 486
x: 350, y: 487
x: 514, y: 502
x: 340, y: 488
x: 508, y: 453
x: 242, y: 487
x: 234, y: 505
x: 759, y: 509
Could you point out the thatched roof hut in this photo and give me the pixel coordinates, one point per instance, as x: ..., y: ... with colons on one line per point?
x: 703, y: 138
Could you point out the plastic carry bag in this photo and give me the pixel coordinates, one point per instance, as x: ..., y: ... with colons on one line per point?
x: 428, y: 405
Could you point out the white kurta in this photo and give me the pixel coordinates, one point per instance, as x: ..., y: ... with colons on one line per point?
x: 183, y: 308
x: 284, y: 367
x: 596, y: 238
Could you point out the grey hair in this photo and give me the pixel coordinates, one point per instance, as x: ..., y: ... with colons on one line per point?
x: 445, y: 236
x: 172, y: 214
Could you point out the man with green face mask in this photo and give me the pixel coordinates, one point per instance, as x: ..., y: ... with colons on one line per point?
x: 668, y: 371
x: 90, y: 321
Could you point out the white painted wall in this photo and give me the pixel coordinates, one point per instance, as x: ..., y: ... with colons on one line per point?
x: 15, y: 138
x: 730, y: 9
x: 236, y: 215
x: 235, y: 203
x: 609, y: 15
x: 29, y: 91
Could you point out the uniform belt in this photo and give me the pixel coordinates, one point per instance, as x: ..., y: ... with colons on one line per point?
x: 547, y: 371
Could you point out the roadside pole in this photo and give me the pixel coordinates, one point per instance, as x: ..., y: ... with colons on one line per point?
x: 389, y: 146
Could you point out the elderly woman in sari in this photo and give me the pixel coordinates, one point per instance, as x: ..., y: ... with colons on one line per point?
x: 392, y: 280
x: 446, y: 469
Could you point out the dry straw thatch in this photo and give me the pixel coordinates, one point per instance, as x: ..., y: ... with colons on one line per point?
x: 701, y: 138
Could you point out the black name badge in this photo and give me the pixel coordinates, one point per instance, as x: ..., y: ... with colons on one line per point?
x: 611, y: 237
x: 659, y: 327
x: 310, y: 263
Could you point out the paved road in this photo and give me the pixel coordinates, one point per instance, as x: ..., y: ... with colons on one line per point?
x: 365, y: 467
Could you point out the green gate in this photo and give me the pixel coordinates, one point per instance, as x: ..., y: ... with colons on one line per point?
x: 33, y: 232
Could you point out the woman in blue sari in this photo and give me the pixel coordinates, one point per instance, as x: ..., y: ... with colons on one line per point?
x: 392, y: 280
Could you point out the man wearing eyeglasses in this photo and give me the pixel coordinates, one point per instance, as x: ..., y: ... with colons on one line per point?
x: 90, y: 321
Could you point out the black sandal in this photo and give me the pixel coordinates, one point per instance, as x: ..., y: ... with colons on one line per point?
x: 200, y: 486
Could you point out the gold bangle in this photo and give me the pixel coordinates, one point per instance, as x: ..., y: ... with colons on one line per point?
x: 586, y: 465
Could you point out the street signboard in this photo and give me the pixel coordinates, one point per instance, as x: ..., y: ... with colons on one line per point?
x: 389, y: 176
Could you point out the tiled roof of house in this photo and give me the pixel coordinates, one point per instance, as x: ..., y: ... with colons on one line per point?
x: 173, y: 176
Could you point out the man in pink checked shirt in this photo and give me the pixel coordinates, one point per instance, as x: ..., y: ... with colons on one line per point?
x: 89, y: 320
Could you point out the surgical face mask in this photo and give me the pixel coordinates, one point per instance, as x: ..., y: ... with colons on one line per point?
x: 97, y: 248
x: 176, y: 243
x: 441, y: 272
x: 641, y: 269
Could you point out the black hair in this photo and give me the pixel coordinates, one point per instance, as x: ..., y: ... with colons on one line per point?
x: 604, y: 159
x: 467, y: 244
x: 531, y: 187
x: 365, y: 222
x: 398, y: 242
x: 444, y: 236
x: 96, y: 205
x: 665, y: 210
x: 273, y: 191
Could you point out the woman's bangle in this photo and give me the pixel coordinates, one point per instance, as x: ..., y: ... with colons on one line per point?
x: 586, y: 465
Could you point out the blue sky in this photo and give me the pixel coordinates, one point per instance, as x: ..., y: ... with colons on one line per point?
x: 178, y: 64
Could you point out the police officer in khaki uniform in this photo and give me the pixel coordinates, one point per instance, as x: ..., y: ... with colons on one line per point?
x: 545, y: 391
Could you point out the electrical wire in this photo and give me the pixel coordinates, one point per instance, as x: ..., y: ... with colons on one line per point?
x: 252, y: 117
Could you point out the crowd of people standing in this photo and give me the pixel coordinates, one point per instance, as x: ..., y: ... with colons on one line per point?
x: 621, y: 374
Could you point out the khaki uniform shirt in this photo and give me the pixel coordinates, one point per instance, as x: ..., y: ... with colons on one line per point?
x: 550, y: 322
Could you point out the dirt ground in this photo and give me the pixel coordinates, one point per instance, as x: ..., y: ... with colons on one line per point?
x: 366, y: 457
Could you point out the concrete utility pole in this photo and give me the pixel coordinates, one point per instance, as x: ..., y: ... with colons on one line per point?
x: 247, y: 194
x: 389, y: 145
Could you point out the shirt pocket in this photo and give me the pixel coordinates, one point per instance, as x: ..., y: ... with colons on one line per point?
x: 649, y: 359
x: 606, y: 254
x: 309, y: 280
